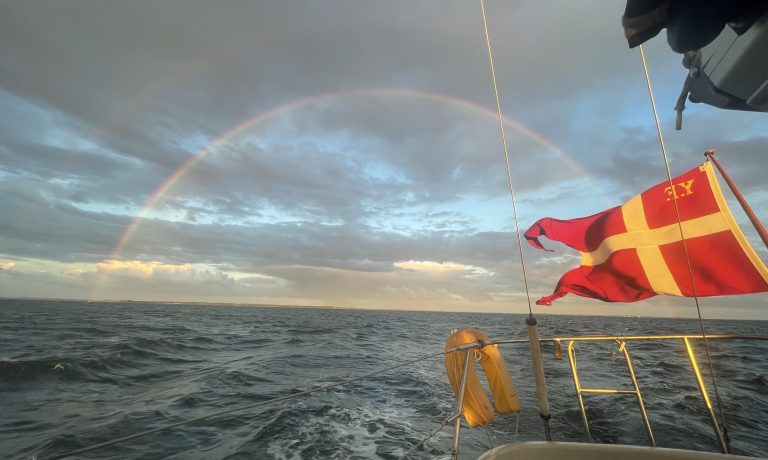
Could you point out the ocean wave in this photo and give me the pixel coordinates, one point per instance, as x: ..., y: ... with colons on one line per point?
x: 22, y: 373
x: 124, y: 370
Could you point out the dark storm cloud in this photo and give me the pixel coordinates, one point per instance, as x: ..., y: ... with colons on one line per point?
x: 49, y: 162
x: 92, y: 59
x: 341, y: 181
x: 203, y: 68
x: 195, y: 61
x: 62, y: 158
x: 36, y: 225
x: 636, y: 158
x: 78, y: 176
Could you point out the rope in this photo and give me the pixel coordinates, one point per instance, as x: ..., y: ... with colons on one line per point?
x: 506, y: 154
x: 490, y: 441
x: 434, y: 431
x: 240, y: 408
x: 685, y: 248
x: 517, y: 426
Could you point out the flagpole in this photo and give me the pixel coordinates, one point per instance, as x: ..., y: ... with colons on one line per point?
x: 710, y: 154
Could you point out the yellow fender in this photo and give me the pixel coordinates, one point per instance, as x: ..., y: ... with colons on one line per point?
x: 477, y: 407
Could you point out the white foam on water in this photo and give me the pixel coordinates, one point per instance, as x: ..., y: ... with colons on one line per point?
x: 357, y: 431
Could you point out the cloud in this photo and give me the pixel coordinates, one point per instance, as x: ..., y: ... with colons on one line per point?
x: 375, y: 174
x: 144, y: 269
x: 76, y: 272
x: 7, y: 266
x: 442, y: 268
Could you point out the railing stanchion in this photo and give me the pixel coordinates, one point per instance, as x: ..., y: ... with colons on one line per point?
x: 577, y: 384
x: 631, y: 369
x: 538, y: 372
x: 457, y: 426
x: 705, y: 395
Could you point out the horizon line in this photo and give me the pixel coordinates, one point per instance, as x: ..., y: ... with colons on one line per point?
x: 334, y: 307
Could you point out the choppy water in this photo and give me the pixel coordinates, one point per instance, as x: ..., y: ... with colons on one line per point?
x: 74, y: 374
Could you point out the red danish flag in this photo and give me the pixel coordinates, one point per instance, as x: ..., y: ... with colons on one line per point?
x: 635, y: 251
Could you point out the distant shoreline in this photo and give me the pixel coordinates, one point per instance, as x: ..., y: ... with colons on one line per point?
x: 332, y: 307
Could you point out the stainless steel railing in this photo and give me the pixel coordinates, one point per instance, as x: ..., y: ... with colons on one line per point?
x: 621, y: 341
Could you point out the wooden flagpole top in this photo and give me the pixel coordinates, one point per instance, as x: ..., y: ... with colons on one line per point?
x: 710, y: 154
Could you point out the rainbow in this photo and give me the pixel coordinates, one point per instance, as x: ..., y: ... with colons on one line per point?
x: 236, y: 130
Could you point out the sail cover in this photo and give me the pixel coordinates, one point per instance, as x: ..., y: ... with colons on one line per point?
x: 690, y: 24
x: 635, y: 251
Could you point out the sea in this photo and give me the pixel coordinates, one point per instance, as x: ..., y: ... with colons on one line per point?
x: 75, y: 374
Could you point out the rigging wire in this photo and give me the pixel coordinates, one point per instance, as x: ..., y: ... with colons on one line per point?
x: 452, y: 418
x: 241, y: 408
x: 506, y: 154
x: 541, y: 386
x: 517, y: 427
x: 685, y: 247
x: 490, y: 441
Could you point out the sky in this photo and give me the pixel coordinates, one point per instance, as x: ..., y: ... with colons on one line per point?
x: 341, y: 153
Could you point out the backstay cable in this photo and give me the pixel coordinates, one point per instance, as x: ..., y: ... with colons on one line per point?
x: 533, y: 332
x: 685, y: 249
x: 506, y: 155
x: 432, y: 433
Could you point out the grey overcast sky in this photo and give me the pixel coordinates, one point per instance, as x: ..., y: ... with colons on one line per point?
x: 332, y: 153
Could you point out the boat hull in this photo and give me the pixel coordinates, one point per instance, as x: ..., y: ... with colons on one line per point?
x: 584, y: 451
